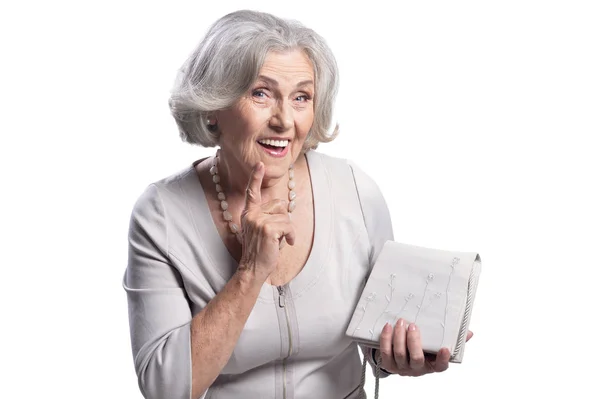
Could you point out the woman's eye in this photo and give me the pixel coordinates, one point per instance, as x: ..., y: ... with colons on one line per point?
x: 259, y: 94
x: 302, y: 98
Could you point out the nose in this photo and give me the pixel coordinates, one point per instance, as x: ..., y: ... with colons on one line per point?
x: 282, y: 118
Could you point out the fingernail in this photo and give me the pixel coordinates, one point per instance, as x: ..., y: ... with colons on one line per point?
x: 412, y: 327
x: 259, y: 167
x: 400, y: 323
x: 387, y: 327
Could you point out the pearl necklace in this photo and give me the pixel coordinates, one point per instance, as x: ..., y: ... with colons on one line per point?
x: 233, y: 227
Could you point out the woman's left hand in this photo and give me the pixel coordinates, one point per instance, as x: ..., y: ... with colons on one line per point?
x: 402, y: 353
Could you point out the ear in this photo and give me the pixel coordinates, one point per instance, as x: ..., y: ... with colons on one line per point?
x: 212, y: 118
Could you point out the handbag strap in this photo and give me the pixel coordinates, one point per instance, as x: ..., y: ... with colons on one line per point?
x: 465, y: 322
x: 363, y: 376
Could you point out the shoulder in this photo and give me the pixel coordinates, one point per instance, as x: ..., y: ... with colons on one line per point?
x: 172, y: 185
x: 168, y: 190
x: 160, y: 207
x: 163, y: 204
x: 333, y: 165
x: 338, y: 168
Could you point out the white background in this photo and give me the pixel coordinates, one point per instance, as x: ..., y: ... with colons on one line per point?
x: 478, y: 119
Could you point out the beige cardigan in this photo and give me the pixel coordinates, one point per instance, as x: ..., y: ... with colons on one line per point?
x: 178, y: 263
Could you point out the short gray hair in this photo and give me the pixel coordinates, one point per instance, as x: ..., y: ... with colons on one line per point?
x: 227, y: 62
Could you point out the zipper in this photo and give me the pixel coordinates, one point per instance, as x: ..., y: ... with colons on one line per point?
x: 290, y: 347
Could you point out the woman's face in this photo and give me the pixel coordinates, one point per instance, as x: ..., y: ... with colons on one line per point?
x: 271, y: 121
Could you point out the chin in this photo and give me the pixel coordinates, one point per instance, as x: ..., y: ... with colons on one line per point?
x: 276, y: 168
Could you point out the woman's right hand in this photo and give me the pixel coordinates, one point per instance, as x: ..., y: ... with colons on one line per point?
x: 264, y: 226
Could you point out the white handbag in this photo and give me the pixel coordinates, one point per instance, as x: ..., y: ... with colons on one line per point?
x: 435, y: 289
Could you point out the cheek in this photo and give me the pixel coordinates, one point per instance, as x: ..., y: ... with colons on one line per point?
x: 244, y: 117
x: 304, y: 123
x: 239, y: 129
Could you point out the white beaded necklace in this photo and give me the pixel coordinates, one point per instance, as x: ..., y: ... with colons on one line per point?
x: 234, y: 228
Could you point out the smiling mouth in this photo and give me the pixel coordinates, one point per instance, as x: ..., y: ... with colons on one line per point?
x: 274, y: 146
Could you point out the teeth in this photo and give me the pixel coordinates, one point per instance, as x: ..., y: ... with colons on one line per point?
x: 275, y: 143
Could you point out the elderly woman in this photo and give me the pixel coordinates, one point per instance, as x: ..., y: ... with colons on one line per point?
x: 244, y: 268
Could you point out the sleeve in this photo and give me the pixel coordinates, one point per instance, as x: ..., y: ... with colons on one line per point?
x: 159, y: 313
x: 378, y: 223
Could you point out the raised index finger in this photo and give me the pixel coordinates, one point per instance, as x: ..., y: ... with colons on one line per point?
x: 253, y: 197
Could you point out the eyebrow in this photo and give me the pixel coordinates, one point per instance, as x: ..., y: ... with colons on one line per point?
x: 276, y: 84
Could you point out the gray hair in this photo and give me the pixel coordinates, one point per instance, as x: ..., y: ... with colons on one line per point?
x: 227, y: 62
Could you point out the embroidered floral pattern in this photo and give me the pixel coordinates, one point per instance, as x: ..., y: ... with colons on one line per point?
x: 368, y: 300
x: 388, y: 298
x: 455, y: 262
